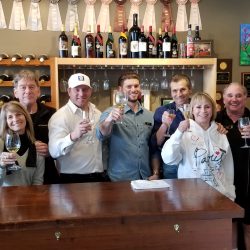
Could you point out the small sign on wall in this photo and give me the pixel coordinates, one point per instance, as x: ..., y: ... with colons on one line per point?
x: 245, y: 80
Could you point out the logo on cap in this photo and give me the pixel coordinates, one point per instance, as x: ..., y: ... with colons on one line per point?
x: 81, y: 78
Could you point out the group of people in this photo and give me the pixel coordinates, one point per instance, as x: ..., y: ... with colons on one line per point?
x: 67, y: 145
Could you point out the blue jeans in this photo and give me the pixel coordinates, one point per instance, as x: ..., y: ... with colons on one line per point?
x: 169, y: 171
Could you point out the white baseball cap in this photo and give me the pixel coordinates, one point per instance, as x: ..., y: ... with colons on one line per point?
x: 78, y: 79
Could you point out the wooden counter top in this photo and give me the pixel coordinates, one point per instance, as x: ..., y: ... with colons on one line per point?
x: 51, y: 203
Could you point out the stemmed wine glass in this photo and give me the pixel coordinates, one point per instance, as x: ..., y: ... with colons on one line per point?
x: 187, y: 112
x: 171, y: 113
x: 91, y: 119
x: 243, y: 122
x: 13, y: 144
x: 144, y: 81
x: 106, y: 84
x: 164, y: 81
x: 121, y: 100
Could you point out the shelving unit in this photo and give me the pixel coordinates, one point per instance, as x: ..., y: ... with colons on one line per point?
x: 206, y: 65
x: 48, y: 67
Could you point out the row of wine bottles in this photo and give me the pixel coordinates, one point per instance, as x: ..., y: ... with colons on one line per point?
x: 27, y: 58
x: 5, y: 77
x: 8, y: 98
x: 135, y: 45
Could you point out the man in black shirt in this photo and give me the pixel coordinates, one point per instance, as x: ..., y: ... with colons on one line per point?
x: 27, y: 91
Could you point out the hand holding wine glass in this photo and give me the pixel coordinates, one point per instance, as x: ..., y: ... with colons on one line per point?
x: 121, y: 100
x: 13, y: 144
x: 90, y: 118
x: 187, y: 112
x: 167, y: 118
x: 243, y: 122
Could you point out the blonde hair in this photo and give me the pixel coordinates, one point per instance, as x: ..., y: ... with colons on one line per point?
x: 200, y: 97
x: 14, y: 106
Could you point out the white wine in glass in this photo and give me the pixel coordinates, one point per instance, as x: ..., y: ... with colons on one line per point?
x: 171, y: 114
x: 121, y: 100
x: 187, y: 112
x: 243, y: 122
x: 13, y: 144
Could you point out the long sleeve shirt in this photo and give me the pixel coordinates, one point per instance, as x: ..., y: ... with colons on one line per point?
x: 204, y: 154
x: 74, y: 157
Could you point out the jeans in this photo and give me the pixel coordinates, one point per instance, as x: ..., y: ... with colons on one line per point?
x: 169, y: 171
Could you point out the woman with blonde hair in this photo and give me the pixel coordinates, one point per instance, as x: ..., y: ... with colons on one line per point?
x: 200, y: 150
x: 15, y: 118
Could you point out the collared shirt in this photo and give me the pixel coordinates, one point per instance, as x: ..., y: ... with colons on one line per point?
x: 129, y: 145
x: 74, y: 157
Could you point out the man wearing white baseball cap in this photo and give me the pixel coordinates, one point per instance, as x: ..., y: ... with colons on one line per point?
x: 72, y: 138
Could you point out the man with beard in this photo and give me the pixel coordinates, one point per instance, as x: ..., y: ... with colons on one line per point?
x: 129, y: 153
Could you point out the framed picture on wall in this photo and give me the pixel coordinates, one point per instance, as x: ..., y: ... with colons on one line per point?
x: 245, y: 44
x: 245, y: 80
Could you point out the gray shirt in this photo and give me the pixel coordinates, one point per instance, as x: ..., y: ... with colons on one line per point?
x: 129, y: 145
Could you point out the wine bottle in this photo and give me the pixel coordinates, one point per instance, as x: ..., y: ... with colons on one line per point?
x: 5, y: 77
x: 190, y: 43
x: 134, y: 33
x: 4, y: 99
x: 123, y: 44
x: 29, y: 57
x: 152, y: 51
x: 143, y: 45
x: 76, y: 43
x: 3, y: 56
x: 110, y: 49
x: 43, y: 57
x: 63, y: 44
x: 16, y: 57
x: 45, y: 98
x: 44, y: 78
x: 197, y: 34
x: 89, y: 44
x: 159, y: 44
x: 166, y: 44
x: 174, y: 44
x: 98, y: 43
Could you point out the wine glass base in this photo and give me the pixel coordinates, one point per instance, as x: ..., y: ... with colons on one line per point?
x: 14, y: 168
x: 245, y: 146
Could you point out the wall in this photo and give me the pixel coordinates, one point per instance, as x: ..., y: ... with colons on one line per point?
x: 221, y: 22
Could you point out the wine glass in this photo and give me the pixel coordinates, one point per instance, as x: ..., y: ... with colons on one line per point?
x: 243, y: 122
x: 171, y: 113
x: 106, y: 84
x: 90, y: 117
x: 187, y: 112
x: 144, y: 81
x: 164, y: 81
x: 121, y: 100
x: 13, y: 144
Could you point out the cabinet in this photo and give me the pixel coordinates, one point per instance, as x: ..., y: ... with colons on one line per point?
x: 40, y: 68
x: 203, y: 70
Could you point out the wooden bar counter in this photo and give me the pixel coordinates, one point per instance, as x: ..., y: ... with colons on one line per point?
x: 189, y: 215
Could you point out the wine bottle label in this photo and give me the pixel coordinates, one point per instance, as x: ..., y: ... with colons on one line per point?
x: 63, y: 45
x: 142, y: 46
x: 134, y: 46
x: 89, y: 46
x: 75, y: 51
x: 99, y: 47
x: 123, y: 49
x: 154, y: 50
x: 166, y: 46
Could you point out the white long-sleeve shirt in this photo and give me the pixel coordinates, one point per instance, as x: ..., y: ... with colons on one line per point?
x: 74, y: 157
x: 204, y: 154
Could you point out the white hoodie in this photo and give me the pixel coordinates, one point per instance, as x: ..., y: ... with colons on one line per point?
x: 204, y: 154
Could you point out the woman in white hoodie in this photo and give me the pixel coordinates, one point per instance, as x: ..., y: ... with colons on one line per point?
x: 200, y: 150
